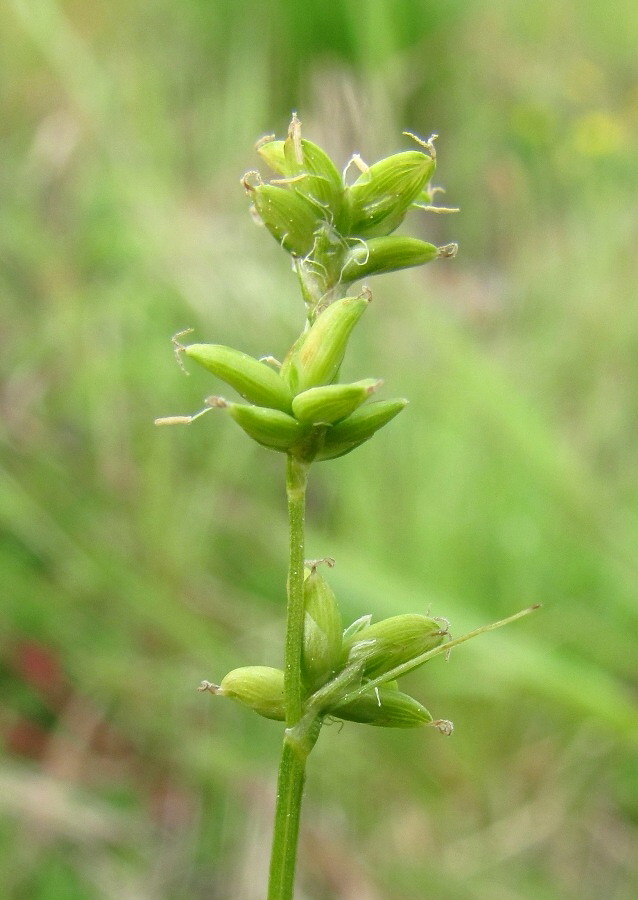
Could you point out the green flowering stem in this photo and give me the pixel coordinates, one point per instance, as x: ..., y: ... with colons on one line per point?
x: 292, y: 773
x: 296, y: 481
x: 292, y: 765
x: 298, y: 742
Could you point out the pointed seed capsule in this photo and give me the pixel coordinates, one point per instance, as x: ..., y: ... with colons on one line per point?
x: 269, y: 427
x: 260, y: 688
x: 254, y: 380
x: 386, y: 254
x: 384, y: 707
x: 318, y: 358
x: 290, y: 218
x: 359, y: 427
x: 331, y: 402
x: 392, y: 642
x: 316, y: 177
x: 322, y: 632
x: 379, y: 199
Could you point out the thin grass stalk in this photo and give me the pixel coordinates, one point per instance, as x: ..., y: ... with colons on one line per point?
x: 293, y: 761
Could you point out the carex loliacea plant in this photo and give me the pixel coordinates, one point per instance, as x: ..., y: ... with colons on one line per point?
x: 337, y: 231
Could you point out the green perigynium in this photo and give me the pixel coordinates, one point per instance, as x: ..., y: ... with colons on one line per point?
x: 316, y: 359
x: 385, y: 645
x: 386, y: 254
x: 287, y: 215
x: 385, y: 707
x: 260, y: 688
x: 252, y: 379
x: 269, y: 427
x: 380, y: 198
x: 336, y: 233
x: 358, y: 428
x: 322, y: 635
x: 330, y: 403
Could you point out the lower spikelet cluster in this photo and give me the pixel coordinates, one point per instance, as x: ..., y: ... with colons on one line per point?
x: 347, y: 674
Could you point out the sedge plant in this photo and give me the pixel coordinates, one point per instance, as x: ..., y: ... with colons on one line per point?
x: 337, y: 231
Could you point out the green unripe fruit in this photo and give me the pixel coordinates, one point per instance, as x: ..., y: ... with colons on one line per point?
x: 317, y: 179
x: 379, y: 199
x: 254, y: 380
x: 261, y: 688
x: 332, y: 402
x: 385, y: 707
x: 386, y: 254
x: 270, y: 427
x: 322, y: 632
x: 320, y: 354
x: 359, y: 427
x: 288, y: 217
x: 390, y: 643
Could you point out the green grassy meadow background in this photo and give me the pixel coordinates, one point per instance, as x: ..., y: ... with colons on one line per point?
x: 134, y: 562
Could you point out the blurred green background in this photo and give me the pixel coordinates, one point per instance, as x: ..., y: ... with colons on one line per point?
x: 135, y: 562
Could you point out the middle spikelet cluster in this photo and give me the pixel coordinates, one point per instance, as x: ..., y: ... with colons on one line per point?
x: 300, y: 409
x: 337, y: 665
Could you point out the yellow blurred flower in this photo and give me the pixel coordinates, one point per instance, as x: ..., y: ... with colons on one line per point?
x: 598, y: 133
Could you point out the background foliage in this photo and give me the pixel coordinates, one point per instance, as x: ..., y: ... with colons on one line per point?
x: 135, y: 562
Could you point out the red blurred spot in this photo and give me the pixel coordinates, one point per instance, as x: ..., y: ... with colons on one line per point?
x: 26, y: 739
x: 39, y: 667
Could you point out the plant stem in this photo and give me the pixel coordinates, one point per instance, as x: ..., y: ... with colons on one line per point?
x: 296, y: 481
x: 293, y: 757
x: 286, y: 831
